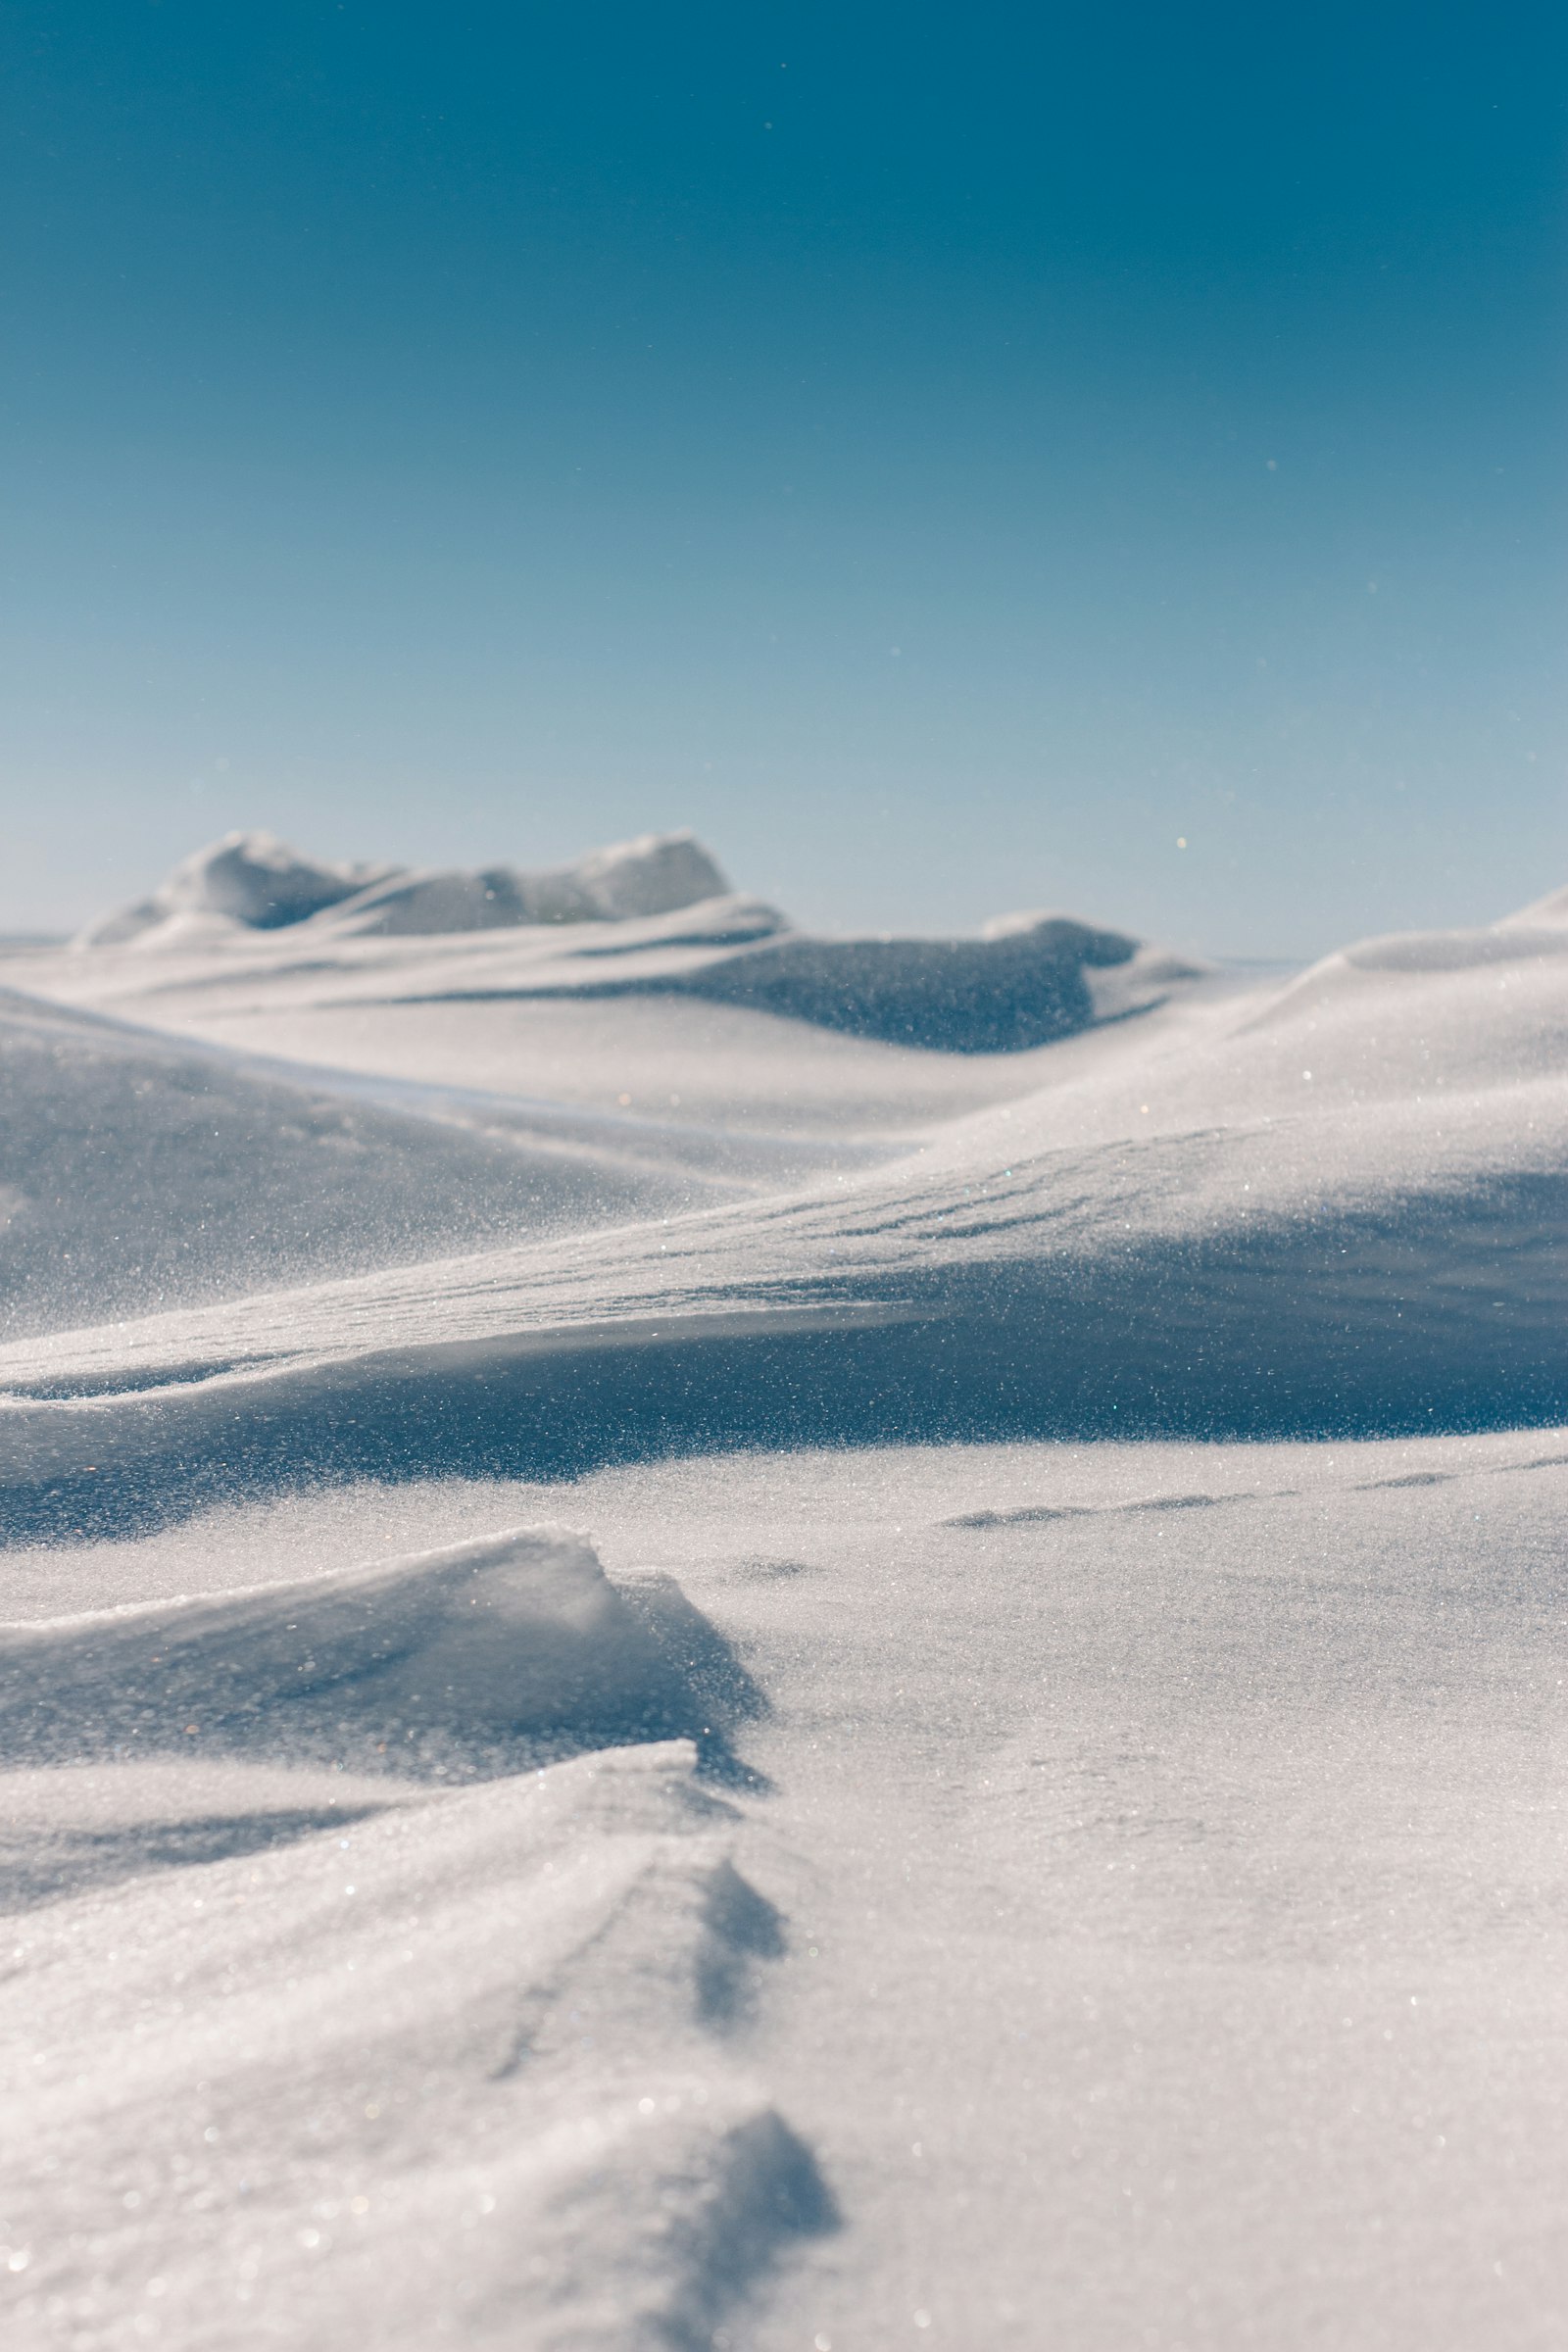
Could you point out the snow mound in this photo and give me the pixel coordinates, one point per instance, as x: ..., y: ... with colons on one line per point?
x: 655, y: 874
x: 438, y: 2149
x: 249, y: 878
x: 1335, y: 1205
x: 652, y: 917
x: 464, y: 1660
x: 659, y: 873
x: 1004, y: 992
x: 258, y: 883
x: 139, y: 1171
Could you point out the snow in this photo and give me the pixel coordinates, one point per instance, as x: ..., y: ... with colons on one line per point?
x: 252, y: 2142
x: 249, y: 878
x: 917, y: 1666
x: 652, y: 917
x: 259, y: 883
x: 134, y: 1167
x: 472, y: 1659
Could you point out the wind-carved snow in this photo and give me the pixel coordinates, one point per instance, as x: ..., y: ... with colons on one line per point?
x: 135, y: 1166
x: 1339, y: 1202
x: 257, y: 882
x: 454, y: 2063
x: 363, y: 2051
x: 1062, y: 1844
x: 650, y: 918
x: 472, y: 1660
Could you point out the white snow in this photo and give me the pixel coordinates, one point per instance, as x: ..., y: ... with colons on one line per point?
x: 680, y: 1671
x: 247, y: 878
x: 259, y: 883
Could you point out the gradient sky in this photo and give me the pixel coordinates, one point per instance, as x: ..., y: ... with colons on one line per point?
x: 945, y: 456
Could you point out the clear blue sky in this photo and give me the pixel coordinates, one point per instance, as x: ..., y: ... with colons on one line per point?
x: 945, y: 456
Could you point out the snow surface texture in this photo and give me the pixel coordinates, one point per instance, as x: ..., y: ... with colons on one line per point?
x: 470, y: 1660
x: 1033, y: 1814
x: 135, y: 1166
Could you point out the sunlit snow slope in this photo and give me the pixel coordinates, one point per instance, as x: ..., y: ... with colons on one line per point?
x: 714, y: 1640
x: 1336, y: 1204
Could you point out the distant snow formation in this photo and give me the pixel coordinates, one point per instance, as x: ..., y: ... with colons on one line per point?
x: 680, y: 931
x: 262, y: 884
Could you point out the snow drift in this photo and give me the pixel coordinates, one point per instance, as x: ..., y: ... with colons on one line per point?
x: 649, y: 917
x: 656, y: 874
x: 475, y: 1658
x: 135, y: 1167
x: 1000, y: 994
x: 1142, y: 1869
x: 1333, y: 1205
x: 337, y: 2084
x: 257, y: 882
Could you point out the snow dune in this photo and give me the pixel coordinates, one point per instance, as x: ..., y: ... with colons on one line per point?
x: 634, y: 2193
x: 257, y: 882
x: 476, y: 1659
x: 1155, y: 1920
x: 1027, y: 1814
x: 650, y: 918
x: 135, y: 1167
x: 1333, y: 1204
x: 445, y: 2066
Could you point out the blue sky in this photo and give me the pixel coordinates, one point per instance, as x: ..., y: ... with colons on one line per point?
x: 945, y: 457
